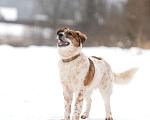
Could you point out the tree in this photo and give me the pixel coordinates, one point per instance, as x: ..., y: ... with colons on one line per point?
x: 138, y: 20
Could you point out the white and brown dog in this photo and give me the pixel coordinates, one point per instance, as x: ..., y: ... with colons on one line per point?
x: 81, y: 74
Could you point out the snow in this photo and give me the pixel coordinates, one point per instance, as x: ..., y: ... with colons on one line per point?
x: 7, y: 29
x: 9, y: 13
x: 19, y: 31
x: 30, y: 88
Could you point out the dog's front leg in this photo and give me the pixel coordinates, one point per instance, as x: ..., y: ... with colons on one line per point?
x: 68, y: 94
x: 78, y: 104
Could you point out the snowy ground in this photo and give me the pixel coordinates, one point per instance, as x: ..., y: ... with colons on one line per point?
x: 30, y: 88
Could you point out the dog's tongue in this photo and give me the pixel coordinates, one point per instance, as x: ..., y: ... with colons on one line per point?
x: 60, y: 42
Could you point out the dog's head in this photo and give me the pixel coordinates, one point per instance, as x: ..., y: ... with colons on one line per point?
x: 68, y: 37
x: 69, y: 40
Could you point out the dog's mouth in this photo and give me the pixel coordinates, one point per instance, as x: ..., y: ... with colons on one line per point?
x: 62, y: 43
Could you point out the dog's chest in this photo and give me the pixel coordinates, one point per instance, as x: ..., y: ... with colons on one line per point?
x: 73, y: 73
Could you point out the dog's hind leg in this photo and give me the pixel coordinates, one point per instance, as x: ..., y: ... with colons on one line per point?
x: 88, y: 105
x: 106, y: 91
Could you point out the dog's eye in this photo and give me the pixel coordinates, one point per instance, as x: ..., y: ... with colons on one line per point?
x: 69, y: 33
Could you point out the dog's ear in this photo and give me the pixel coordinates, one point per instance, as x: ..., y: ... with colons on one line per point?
x: 81, y: 36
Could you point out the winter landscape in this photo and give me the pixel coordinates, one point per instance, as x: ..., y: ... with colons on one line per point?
x: 30, y: 88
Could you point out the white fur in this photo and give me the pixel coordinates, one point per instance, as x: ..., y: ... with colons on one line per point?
x: 69, y: 51
x: 72, y: 75
x: 125, y: 77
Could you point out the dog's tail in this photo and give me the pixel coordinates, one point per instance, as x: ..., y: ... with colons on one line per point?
x: 124, y: 77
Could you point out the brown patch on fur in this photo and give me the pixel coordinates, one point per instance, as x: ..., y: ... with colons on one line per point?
x: 73, y: 37
x: 99, y: 58
x: 83, y: 117
x: 81, y: 36
x: 78, y: 99
x: 90, y: 74
x: 76, y: 37
x: 62, y: 30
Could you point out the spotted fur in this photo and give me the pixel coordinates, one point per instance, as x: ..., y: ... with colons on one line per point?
x: 83, y: 74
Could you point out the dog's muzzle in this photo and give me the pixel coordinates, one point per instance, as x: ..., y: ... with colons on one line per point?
x: 62, y: 42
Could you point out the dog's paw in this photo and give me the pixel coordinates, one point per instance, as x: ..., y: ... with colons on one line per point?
x: 66, y: 118
x: 109, y: 118
x: 83, y: 117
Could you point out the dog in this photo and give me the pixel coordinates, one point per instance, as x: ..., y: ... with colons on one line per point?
x: 80, y: 74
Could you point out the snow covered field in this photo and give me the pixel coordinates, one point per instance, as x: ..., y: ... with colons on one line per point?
x: 30, y: 88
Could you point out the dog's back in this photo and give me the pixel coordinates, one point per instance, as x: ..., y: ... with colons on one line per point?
x: 81, y: 74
